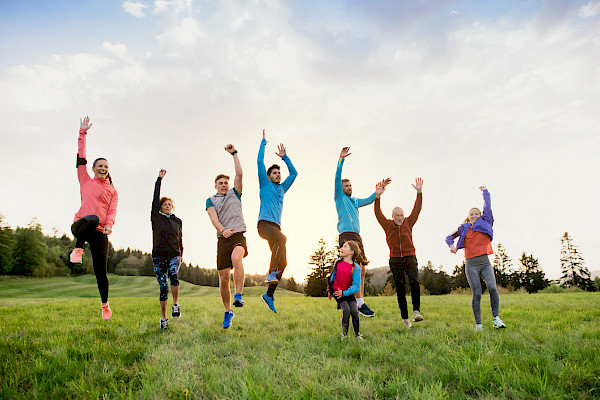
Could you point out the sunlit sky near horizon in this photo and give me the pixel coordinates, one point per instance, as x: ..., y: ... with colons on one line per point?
x: 460, y: 93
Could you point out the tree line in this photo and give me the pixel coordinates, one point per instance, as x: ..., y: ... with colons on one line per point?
x: 29, y: 252
x: 526, y: 275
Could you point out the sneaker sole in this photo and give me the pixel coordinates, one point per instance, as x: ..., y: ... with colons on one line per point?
x: 238, y: 304
x: 272, y: 281
x: 366, y: 315
x: 418, y: 319
x: 500, y: 327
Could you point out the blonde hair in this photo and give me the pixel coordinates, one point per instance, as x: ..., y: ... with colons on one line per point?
x: 468, y: 219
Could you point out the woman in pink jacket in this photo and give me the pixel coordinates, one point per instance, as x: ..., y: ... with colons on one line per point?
x: 96, y: 217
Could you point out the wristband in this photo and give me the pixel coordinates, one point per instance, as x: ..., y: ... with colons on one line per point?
x: 234, y: 152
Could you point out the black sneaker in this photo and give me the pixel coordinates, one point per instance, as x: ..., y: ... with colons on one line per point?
x: 164, y: 323
x: 175, y: 313
x: 365, y: 311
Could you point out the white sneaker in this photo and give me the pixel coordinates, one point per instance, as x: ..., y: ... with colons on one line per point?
x: 417, y: 317
x: 479, y: 327
x: 407, y: 323
x: 497, y: 322
x: 359, y: 337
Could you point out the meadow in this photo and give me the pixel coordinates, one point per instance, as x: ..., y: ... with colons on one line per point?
x: 54, y: 345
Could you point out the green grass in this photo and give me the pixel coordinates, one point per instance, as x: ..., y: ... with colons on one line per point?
x: 60, y: 348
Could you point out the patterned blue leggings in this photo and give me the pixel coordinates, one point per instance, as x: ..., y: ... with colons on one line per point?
x: 162, y: 267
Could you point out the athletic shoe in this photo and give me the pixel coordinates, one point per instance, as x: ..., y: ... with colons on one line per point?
x: 227, y: 319
x: 106, y: 312
x: 479, y: 327
x: 175, y: 313
x: 344, y: 336
x: 76, y: 256
x: 497, y: 322
x: 272, y: 277
x: 417, y: 317
x: 164, y: 323
x: 406, y: 323
x: 270, y: 301
x: 365, y: 311
x: 359, y: 337
x: 237, y: 300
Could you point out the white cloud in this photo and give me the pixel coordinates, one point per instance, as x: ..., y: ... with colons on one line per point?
x: 135, y: 8
x: 185, y: 34
x: 118, y: 49
x: 591, y: 9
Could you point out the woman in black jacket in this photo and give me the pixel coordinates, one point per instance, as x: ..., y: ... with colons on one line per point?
x: 167, y: 249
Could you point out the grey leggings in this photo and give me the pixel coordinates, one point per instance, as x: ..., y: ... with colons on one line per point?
x: 476, y: 266
x: 349, y: 308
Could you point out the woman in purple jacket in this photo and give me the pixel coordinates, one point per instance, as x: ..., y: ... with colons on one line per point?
x: 475, y: 236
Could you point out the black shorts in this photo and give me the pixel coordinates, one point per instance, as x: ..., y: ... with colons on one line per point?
x: 346, y: 236
x: 225, y: 247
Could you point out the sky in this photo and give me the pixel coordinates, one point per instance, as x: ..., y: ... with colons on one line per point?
x: 461, y: 93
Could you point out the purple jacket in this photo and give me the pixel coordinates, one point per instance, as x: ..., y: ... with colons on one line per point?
x: 483, y: 224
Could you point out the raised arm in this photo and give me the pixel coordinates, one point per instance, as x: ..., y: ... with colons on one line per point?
x: 339, y: 188
x: 237, y: 181
x: 487, y: 206
x: 379, y: 189
x: 84, y: 125
x: 156, y: 197
x: 260, y: 162
x: 292, y: 171
x: 414, y: 215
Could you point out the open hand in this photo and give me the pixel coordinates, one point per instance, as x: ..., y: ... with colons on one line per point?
x: 345, y: 152
x: 482, y: 188
x: 264, y: 135
x: 84, y: 124
x: 162, y: 173
x: 337, y: 294
x: 418, y: 185
x: 281, y: 150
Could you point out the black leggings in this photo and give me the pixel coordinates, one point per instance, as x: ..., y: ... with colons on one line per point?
x: 400, y: 265
x: 84, y: 230
x: 271, y: 232
x: 349, y: 308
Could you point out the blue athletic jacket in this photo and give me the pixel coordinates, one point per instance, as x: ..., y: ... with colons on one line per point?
x: 346, y: 206
x: 483, y: 224
x: 355, y: 287
x: 271, y: 194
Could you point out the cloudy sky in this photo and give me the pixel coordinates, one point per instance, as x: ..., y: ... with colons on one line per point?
x: 460, y: 93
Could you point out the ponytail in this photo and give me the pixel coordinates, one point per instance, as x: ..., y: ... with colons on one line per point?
x: 110, y: 179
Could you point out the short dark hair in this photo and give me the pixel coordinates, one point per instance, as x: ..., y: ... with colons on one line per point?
x: 345, y: 180
x: 221, y: 176
x: 271, y: 168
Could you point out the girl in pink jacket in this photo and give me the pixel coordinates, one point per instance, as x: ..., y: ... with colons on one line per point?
x: 96, y: 216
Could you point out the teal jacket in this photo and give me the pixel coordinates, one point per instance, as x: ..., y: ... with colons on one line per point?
x: 271, y: 194
x: 355, y: 287
x: 346, y: 206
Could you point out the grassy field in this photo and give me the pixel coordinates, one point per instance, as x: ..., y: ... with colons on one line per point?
x: 59, y: 347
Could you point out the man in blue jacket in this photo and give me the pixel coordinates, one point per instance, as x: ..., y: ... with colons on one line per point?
x: 348, y: 225
x: 272, y: 191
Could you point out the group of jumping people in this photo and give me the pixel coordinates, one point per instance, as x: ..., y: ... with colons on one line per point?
x: 95, y: 219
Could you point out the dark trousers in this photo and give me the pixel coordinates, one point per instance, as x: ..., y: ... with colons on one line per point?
x: 272, y: 233
x: 349, y: 308
x: 84, y: 230
x: 399, y: 266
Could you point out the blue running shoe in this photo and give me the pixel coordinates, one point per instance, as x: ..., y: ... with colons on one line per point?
x: 227, y: 319
x: 270, y: 301
x: 272, y: 277
x: 237, y: 300
x: 365, y: 311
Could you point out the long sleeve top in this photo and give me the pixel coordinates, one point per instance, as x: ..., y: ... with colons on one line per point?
x: 98, y: 196
x: 167, y: 232
x: 346, y: 206
x: 354, y: 287
x: 399, y: 237
x: 483, y: 224
x: 271, y: 194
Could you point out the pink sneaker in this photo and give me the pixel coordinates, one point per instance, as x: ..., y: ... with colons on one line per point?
x: 106, y: 312
x: 76, y: 256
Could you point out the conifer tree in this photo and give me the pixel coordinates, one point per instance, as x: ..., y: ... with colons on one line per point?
x: 502, y: 267
x: 322, y: 259
x: 574, y: 271
x: 532, y: 278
